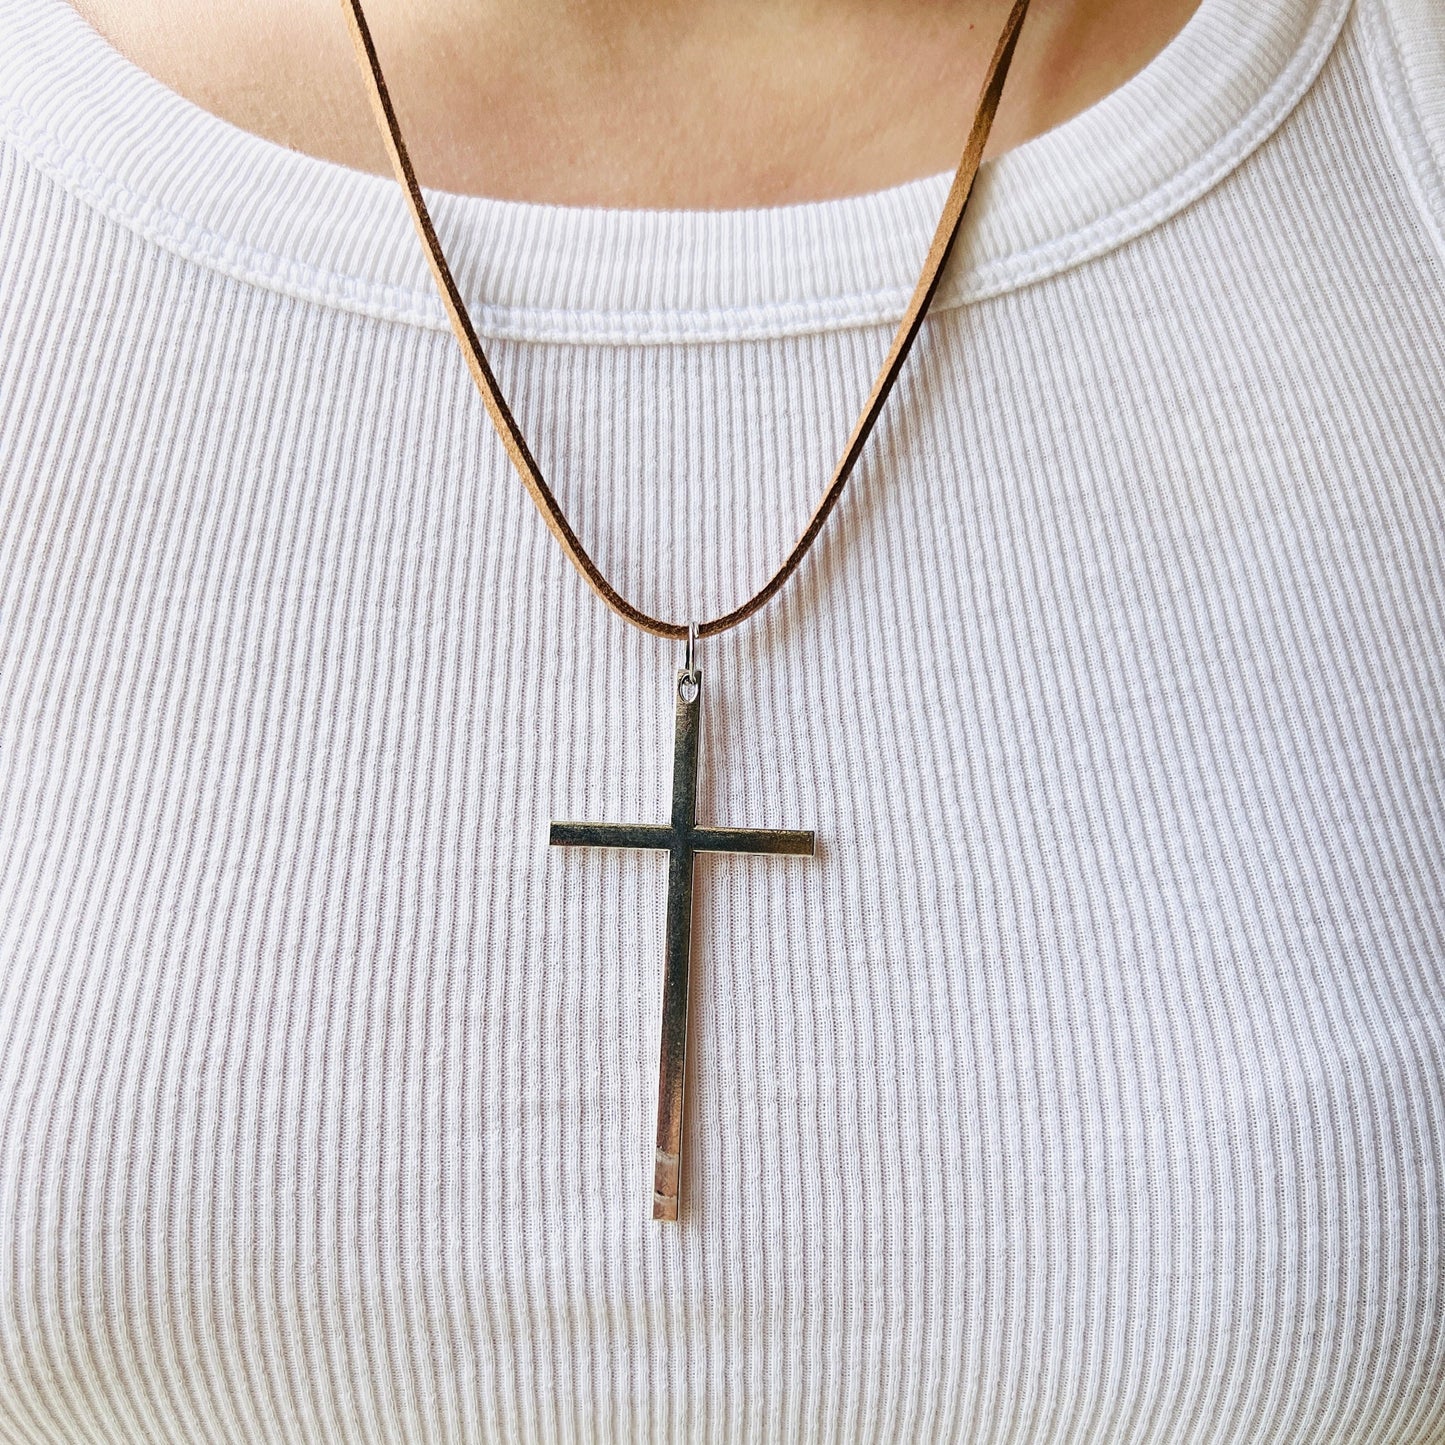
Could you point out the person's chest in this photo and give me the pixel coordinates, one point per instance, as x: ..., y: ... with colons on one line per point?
x: 1090, y: 1072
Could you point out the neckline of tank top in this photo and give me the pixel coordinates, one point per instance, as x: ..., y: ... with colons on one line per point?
x: 119, y: 140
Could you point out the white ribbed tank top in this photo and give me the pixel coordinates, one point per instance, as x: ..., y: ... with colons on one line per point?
x: 1089, y: 1086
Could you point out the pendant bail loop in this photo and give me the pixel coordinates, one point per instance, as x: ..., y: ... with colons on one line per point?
x: 687, y: 658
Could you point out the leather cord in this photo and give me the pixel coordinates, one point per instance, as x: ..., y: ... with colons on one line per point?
x: 506, y: 424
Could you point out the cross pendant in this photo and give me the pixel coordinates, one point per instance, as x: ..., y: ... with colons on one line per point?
x: 682, y: 840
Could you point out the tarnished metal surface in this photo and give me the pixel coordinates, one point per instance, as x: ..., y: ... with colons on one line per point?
x: 683, y: 840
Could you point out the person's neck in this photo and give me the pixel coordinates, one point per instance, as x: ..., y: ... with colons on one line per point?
x: 643, y: 103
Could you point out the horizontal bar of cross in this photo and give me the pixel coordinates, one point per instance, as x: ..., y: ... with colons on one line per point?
x: 795, y: 841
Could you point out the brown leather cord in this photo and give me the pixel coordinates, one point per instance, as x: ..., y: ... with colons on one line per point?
x: 506, y: 424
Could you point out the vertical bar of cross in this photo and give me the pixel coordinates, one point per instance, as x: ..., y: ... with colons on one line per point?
x: 672, y: 1050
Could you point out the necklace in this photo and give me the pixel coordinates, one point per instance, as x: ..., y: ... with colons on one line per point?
x: 682, y: 839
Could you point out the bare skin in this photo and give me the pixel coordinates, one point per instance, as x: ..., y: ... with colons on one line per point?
x: 643, y: 103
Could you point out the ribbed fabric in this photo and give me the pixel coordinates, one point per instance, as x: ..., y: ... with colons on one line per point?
x: 1088, y: 1086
